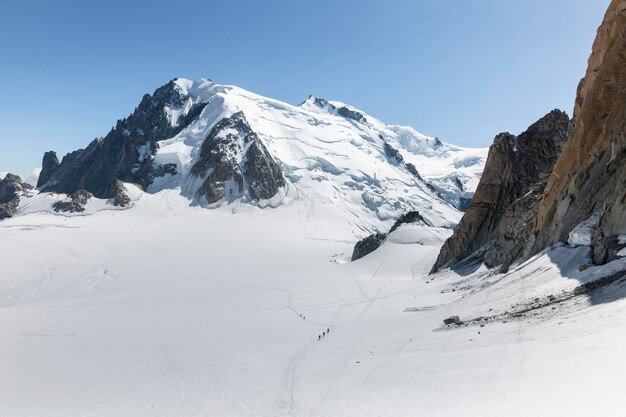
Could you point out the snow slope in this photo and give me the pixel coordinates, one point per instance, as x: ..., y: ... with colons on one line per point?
x: 172, y: 310
x: 329, y: 153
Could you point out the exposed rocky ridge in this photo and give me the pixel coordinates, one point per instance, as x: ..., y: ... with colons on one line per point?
x: 12, y: 187
x: 76, y: 203
x: 234, y: 163
x: 49, y: 163
x: 367, y: 245
x: 372, y: 242
x: 125, y: 153
x: 590, y: 174
x: 342, y: 111
x: 394, y: 155
x: 514, y: 177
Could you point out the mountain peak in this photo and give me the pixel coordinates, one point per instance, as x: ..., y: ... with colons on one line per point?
x: 257, y: 150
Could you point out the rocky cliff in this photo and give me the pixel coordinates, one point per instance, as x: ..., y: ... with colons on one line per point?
x: 497, y: 219
x: 512, y: 218
x: 234, y: 163
x: 11, y: 190
x: 590, y: 175
x: 125, y: 153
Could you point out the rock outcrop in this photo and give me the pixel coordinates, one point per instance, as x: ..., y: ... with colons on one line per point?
x: 367, y: 245
x: 497, y: 220
x: 125, y: 153
x: 11, y: 189
x: 234, y: 163
x: 590, y: 175
x: 372, y: 242
x: 75, y: 204
x: 49, y: 163
x: 342, y: 111
x: 394, y: 156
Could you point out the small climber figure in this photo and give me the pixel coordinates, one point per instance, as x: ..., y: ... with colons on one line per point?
x: 323, y: 334
x: 327, y: 330
x: 319, y: 337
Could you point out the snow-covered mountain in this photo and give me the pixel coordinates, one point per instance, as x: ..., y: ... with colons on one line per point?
x: 167, y: 309
x: 221, y: 144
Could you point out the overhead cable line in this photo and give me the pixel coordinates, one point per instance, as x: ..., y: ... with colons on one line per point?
x: 464, y: 48
x: 386, y: 47
x: 362, y: 42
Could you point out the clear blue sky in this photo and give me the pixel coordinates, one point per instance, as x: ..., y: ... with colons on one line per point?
x: 464, y: 71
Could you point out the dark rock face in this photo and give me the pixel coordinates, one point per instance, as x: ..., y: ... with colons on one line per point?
x: 351, y: 114
x: 394, y: 156
x: 48, y: 165
x: 371, y: 243
x: 234, y: 163
x: 507, y: 195
x: 408, y: 218
x: 11, y: 189
x: 453, y: 320
x: 120, y: 198
x: 368, y: 245
x: 590, y: 174
x: 78, y: 200
x: 125, y: 153
x: 342, y: 111
x: 464, y: 203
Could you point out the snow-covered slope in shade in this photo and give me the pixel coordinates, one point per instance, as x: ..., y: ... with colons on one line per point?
x: 329, y: 152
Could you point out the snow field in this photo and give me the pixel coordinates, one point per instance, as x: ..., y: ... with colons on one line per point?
x: 170, y: 310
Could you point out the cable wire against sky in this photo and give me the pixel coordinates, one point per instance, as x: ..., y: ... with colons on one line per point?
x: 386, y: 47
x: 362, y: 42
x: 463, y: 48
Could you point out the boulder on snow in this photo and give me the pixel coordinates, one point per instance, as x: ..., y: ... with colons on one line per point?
x: 453, y: 320
x: 368, y: 245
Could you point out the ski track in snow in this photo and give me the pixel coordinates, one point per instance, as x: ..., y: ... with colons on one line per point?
x: 169, y: 310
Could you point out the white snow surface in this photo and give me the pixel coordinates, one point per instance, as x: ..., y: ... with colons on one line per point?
x: 170, y: 310
x: 326, y: 157
x: 582, y: 234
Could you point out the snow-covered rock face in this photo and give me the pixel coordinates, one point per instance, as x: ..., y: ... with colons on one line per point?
x: 12, y: 188
x: 321, y: 150
x: 234, y: 164
x: 325, y: 150
x: 582, y: 234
